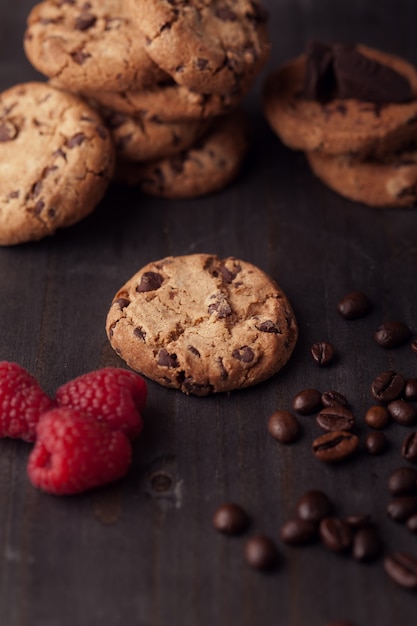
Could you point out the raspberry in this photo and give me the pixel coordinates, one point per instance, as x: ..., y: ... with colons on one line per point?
x: 74, y: 452
x: 111, y: 394
x: 22, y: 401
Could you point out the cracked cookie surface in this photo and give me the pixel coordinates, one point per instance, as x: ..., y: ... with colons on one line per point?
x: 209, y: 46
x: 56, y: 161
x: 93, y: 45
x: 202, y: 324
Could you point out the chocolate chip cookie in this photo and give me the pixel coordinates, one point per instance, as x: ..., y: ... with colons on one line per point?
x: 94, y: 45
x: 202, y: 324
x: 209, y: 47
x: 207, y: 166
x: 343, y: 99
x: 56, y: 161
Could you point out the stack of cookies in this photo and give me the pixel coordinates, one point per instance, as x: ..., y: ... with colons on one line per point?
x: 353, y: 111
x: 166, y: 76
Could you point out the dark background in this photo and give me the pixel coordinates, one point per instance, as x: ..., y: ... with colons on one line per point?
x: 128, y: 554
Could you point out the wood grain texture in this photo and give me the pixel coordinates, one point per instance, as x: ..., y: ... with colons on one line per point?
x: 134, y: 556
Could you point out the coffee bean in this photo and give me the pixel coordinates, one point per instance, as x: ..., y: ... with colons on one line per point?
x: 412, y: 523
x: 402, y: 412
x: 402, y: 481
x: 392, y: 334
x: 402, y: 569
x: 335, y: 446
x: 401, y: 508
x: 283, y: 426
x: 313, y: 506
x: 230, y: 519
x: 377, y: 416
x: 353, y: 305
x: 367, y: 545
x: 335, y: 534
x: 387, y: 386
x: 357, y: 522
x: 261, y: 553
x: 335, y: 417
x: 410, y: 389
x: 414, y: 346
x: 376, y: 443
x: 322, y: 353
x: 298, y: 532
x: 307, y: 401
x: 333, y: 398
x: 409, y: 447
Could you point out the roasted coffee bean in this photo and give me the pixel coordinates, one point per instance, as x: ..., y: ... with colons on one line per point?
x: 412, y: 523
x: 376, y: 443
x: 367, y: 545
x: 377, y: 417
x: 402, y: 569
x: 283, y: 426
x: 313, y: 506
x: 409, y: 447
x: 402, y: 481
x: 401, y: 508
x: 335, y: 534
x: 261, y: 553
x: 387, y: 386
x: 402, y: 412
x: 335, y: 446
x: 230, y: 519
x: 322, y: 353
x: 307, y: 401
x: 335, y: 417
x: 410, y: 389
x: 353, y: 305
x: 392, y: 334
x: 414, y: 346
x: 358, y: 521
x: 298, y: 532
x: 333, y: 398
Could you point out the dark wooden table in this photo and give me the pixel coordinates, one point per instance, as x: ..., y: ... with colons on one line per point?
x: 130, y: 554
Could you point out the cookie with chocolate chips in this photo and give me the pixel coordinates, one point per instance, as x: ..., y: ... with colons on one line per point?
x: 207, y: 166
x: 56, y: 161
x: 94, y: 45
x: 343, y: 99
x: 391, y: 182
x: 202, y: 324
x: 209, y: 47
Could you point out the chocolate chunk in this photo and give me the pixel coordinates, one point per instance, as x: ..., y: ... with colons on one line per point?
x: 193, y: 351
x: 167, y: 360
x: 80, y: 57
x: 220, y: 305
x: 140, y: 333
x: 268, y: 327
x: 8, y: 131
x: 223, y: 371
x: 122, y: 302
x: 244, y: 354
x: 84, y: 21
x: 150, y: 281
x: 75, y: 140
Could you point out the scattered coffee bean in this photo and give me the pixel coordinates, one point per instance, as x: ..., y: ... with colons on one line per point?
x: 402, y: 412
x: 335, y: 534
x: 414, y: 346
x: 409, y: 447
x: 367, y: 545
x: 412, y: 523
x: 313, y: 506
x: 357, y: 522
x: 307, y: 401
x: 322, y: 353
x: 298, y: 532
x: 335, y: 446
x: 402, y: 507
x: 402, y: 481
x: 353, y: 305
x: 283, y: 426
x: 376, y: 443
x: 230, y: 519
x: 261, y: 553
x: 333, y: 398
x: 402, y: 569
x: 410, y: 389
x: 335, y: 417
x: 377, y: 417
x: 387, y: 386
x: 392, y: 334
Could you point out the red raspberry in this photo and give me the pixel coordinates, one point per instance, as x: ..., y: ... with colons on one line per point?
x: 22, y: 401
x: 74, y: 452
x: 111, y: 394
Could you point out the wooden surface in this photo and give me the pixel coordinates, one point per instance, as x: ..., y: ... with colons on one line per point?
x: 132, y: 555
